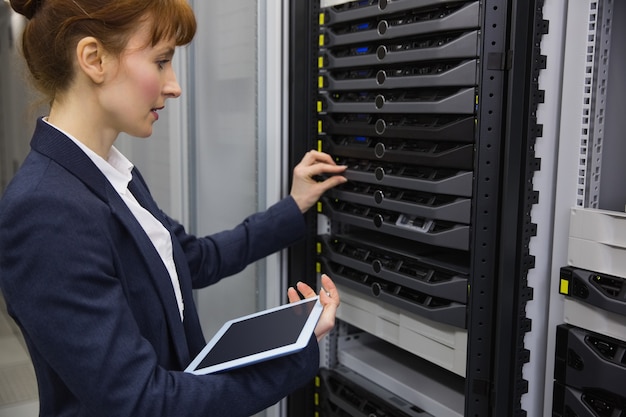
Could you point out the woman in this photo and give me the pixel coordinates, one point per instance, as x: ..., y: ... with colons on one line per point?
x: 98, y: 278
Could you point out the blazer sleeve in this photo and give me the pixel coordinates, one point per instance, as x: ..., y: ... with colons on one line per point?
x: 58, y: 270
x: 226, y: 253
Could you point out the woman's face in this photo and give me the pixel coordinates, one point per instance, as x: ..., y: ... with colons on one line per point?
x: 140, y: 82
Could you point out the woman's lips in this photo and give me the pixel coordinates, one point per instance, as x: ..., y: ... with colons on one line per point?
x: 155, y: 113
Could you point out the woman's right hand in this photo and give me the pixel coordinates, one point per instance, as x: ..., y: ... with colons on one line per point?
x: 306, y: 190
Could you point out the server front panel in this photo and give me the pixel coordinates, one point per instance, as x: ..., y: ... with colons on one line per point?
x: 397, y: 86
x: 411, y: 96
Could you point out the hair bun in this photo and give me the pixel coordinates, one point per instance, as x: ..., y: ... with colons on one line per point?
x: 26, y: 8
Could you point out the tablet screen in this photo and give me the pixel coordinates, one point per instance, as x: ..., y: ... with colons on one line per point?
x: 260, y: 336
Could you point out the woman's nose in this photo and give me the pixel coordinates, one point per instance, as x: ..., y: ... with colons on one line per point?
x: 172, y: 88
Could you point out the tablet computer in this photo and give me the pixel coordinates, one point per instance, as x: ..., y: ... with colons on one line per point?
x: 259, y: 336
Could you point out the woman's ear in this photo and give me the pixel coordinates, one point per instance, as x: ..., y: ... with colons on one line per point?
x: 91, y: 58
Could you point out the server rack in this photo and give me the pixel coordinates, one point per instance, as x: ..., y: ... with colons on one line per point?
x: 586, y: 361
x: 421, y: 100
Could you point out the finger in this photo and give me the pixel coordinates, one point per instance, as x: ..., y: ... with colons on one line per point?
x: 325, y: 168
x: 292, y: 295
x: 328, y: 284
x: 331, y: 182
x: 329, y: 291
x: 305, y: 290
x: 313, y: 157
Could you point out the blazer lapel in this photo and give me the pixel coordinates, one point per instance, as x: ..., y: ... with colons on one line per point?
x: 195, y: 337
x: 143, y: 197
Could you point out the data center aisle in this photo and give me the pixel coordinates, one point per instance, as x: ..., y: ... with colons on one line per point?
x: 18, y: 386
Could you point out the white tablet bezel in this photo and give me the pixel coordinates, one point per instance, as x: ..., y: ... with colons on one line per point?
x: 303, y: 339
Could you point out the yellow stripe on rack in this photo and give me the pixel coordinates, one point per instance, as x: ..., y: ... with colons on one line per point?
x: 564, y: 287
x: 322, y: 18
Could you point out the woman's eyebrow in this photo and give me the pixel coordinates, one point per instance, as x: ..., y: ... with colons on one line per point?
x: 166, y: 51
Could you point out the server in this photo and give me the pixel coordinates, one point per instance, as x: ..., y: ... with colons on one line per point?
x: 590, y: 353
x: 589, y: 373
x: 410, y: 94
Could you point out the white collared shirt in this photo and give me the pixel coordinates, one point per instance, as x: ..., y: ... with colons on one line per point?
x: 117, y: 169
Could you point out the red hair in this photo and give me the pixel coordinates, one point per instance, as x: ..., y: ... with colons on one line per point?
x: 56, y: 26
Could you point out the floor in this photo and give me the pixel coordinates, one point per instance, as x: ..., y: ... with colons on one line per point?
x: 18, y: 386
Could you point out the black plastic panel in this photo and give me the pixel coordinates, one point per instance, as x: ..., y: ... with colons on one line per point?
x: 449, y: 100
x: 408, y: 75
x: 443, y: 46
x: 442, y: 127
x: 604, y: 291
x: 571, y: 402
x: 407, y: 226
x: 453, y: 16
x: 346, y: 394
x: 363, y: 9
x: 429, y: 273
x: 403, y: 151
x: 588, y: 360
x: 430, y: 180
x: 432, y: 206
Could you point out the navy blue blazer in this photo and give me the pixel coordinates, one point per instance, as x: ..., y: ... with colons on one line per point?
x: 95, y: 302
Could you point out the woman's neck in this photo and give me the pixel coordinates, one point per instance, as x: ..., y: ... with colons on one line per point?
x: 76, y: 117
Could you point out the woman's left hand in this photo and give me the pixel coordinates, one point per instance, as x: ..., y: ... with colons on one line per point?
x: 329, y: 297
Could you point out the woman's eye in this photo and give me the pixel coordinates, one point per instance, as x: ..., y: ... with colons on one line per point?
x: 162, y: 63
